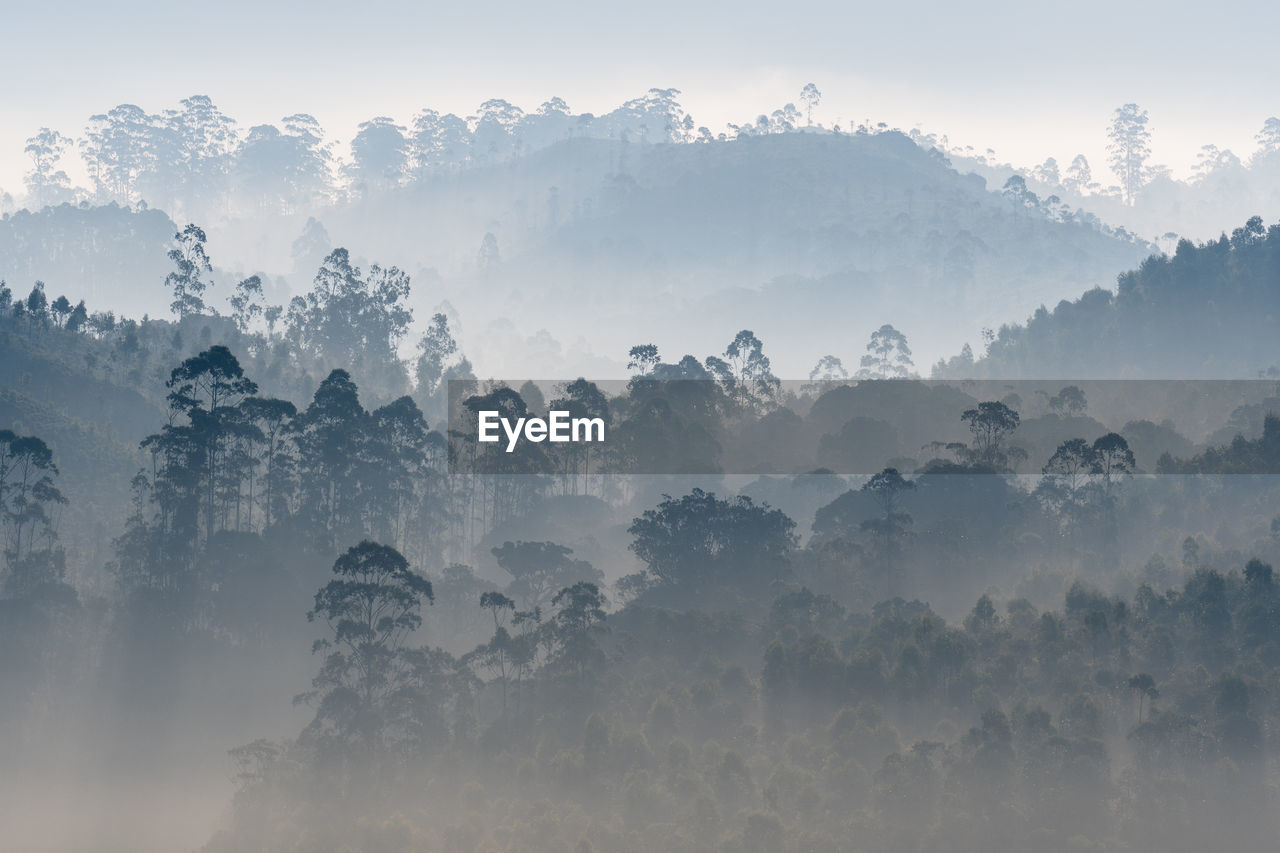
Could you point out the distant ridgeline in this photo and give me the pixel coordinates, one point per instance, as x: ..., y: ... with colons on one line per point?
x: 1209, y: 311
x: 113, y: 257
x: 790, y: 234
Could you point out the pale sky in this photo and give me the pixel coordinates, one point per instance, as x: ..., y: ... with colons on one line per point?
x: 1028, y: 79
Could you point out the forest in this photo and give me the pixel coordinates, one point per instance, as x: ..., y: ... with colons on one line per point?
x: 935, y: 510
x: 528, y: 211
x: 771, y: 615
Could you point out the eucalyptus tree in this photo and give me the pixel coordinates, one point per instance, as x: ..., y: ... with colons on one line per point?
x: 371, y: 606
x: 187, y: 281
x: 888, y: 355
x: 1129, y: 149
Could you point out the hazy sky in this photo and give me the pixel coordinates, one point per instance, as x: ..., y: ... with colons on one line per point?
x: 1028, y: 79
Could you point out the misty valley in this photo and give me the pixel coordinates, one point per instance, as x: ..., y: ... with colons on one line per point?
x: 751, y: 551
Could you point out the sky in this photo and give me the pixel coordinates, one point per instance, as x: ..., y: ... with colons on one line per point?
x: 1028, y: 79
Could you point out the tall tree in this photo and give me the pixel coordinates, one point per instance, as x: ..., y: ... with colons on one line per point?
x: 246, y: 302
x: 380, y: 154
x: 29, y: 496
x: 1079, y: 177
x: 187, y: 281
x: 1112, y: 459
x: 539, y: 569
x: 435, y: 350
x: 115, y: 149
x: 811, y: 97
x: 642, y: 358
x: 1129, y: 149
x: 371, y: 606
x: 700, y: 545
x: 354, y: 320
x: 888, y: 355
x: 207, y: 138
x: 891, y: 527
x: 46, y: 183
x: 746, y: 371
x: 990, y: 423
x: 1269, y: 137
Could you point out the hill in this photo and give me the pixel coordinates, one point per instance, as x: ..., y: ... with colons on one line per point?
x: 1208, y: 311
x: 557, y: 258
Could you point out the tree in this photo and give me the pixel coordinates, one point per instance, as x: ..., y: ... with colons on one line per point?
x: 581, y: 399
x: 29, y: 496
x: 887, y: 489
x: 990, y: 424
x: 1069, y: 401
x: 1145, y: 686
x: 1129, y: 149
x: 1269, y: 137
x: 1258, y: 574
x: 330, y: 436
x: 983, y: 618
x: 1071, y: 464
x: 810, y: 96
x: 435, y: 349
x: 37, y: 304
x: 206, y: 139
x: 284, y: 170
x: 272, y: 419
x: 438, y: 142
x: 538, y: 569
x: 1065, y: 475
x: 747, y: 370
x: 246, y: 302
x: 354, y: 320
x: 578, y: 609
x: 1015, y: 189
x: 1047, y: 173
x: 488, y: 258
x: 61, y: 311
x: 193, y: 450
x: 115, y: 148
x: 829, y: 369
x: 497, y: 652
x: 187, y: 281
x: 78, y: 318
x: 1079, y: 177
x: 888, y: 355
x: 1112, y: 458
x: 380, y: 154
x: 1212, y: 159
x: 46, y: 183
x: 370, y: 606
x: 643, y: 358
x: 700, y: 545
x: 494, y: 135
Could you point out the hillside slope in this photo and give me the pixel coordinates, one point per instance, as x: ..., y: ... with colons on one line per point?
x: 1207, y: 311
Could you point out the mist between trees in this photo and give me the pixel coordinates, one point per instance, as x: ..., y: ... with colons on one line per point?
x: 962, y: 617
x: 816, y: 219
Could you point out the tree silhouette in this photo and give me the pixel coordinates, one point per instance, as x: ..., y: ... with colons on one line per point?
x: 990, y: 423
x: 888, y: 355
x: 187, y: 282
x: 370, y: 606
x: 1129, y: 149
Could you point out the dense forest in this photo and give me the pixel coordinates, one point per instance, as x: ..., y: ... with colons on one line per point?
x: 768, y: 615
x: 1207, y: 310
x: 934, y: 505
